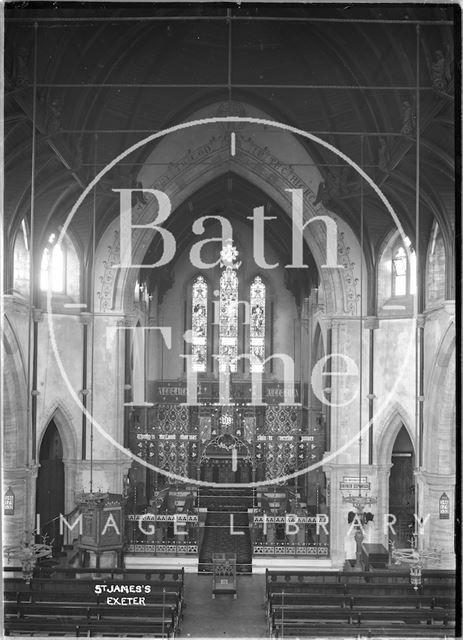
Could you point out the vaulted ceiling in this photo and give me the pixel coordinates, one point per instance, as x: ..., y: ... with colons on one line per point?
x: 106, y: 76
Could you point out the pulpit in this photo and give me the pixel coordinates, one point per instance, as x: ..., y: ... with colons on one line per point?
x: 102, y: 526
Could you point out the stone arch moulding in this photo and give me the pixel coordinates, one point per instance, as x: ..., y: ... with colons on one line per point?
x: 318, y: 336
x: 438, y: 446
x: 388, y: 431
x: 14, y: 398
x: 64, y: 423
x: 266, y: 164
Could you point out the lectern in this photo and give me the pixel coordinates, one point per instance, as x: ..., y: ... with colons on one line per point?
x: 223, y: 573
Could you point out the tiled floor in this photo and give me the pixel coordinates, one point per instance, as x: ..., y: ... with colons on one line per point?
x: 224, y: 617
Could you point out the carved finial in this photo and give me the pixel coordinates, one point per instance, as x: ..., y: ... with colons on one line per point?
x: 228, y: 256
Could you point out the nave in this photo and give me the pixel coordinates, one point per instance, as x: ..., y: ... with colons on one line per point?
x: 275, y: 604
x: 230, y: 318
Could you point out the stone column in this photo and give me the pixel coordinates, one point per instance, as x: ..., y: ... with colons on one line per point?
x: 437, y: 533
x: 22, y: 482
x: 371, y: 323
x: 106, y: 462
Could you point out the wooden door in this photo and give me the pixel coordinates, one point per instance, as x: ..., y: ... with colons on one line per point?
x: 50, y: 485
x: 401, y: 489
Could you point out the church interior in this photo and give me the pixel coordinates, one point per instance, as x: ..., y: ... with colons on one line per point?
x: 228, y: 319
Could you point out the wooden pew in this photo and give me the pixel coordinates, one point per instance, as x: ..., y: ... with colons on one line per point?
x: 298, y: 613
x: 388, y: 588
x: 430, y: 577
x: 155, y: 603
x: 100, y: 612
x: 80, y: 590
x: 155, y: 597
x: 307, y: 588
x: 73, y: 598
x: 302, y: 620
x: 439, y: 617
x: 379, y: 602
x: 416, y: 600
x: 65, y: 618
x: 44, y: 626
x: 349, y: 588
x: 359, y: 616
x: 313, y: 599
x: 44, y: 584
x: 318, y: 630
x: 150, y: 575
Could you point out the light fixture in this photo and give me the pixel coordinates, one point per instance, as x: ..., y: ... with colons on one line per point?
x: 416, y: 576
x: 8, y: 502
x: 444, y: 507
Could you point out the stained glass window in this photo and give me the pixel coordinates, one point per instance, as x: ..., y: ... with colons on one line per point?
x: 399, y: 273
x: 21, y: 261
x: 257, y: 326
x: 52, y: 268
x: 199, y: 324
x: 60, y: 268
x: 228, y: 305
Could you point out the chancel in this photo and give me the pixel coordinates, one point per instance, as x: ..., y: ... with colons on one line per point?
x: 229, y: 324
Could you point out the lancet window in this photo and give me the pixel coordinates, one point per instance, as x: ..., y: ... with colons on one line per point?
x: 228, y: 310
x: 199, y: 324
x: 257, y: 324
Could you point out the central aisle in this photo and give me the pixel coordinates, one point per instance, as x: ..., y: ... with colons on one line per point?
x: 224, y: 616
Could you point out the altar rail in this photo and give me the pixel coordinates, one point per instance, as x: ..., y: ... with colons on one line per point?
x: 162, y: 534
x: 289, y: 535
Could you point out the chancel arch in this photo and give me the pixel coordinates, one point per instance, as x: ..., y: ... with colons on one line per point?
x: 264, y: 166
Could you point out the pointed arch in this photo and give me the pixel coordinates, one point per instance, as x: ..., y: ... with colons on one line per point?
x: 435, y: 267
x: 389, y: 430
x: 261, y: 166
x: 21, y: 260
x: 64, y: 424
x: 60, y: 267
x: 395, y: 274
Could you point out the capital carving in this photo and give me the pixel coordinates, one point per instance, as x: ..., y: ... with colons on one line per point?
x: 128, y: 321
x: 449, y: 307
x: 371, y: 323
x: 32, y: 470
x: 86, y: 318
x: 420, y: 321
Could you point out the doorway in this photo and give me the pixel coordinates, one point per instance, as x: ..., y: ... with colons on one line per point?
x: 402, y: 488
x: 50, y: 486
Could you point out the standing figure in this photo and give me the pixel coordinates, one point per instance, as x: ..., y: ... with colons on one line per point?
x: 21, y: 69
x: 407, y: 119
x: 323, y: 195
x: 54, y: 117
x: 448, y: 68
x: 438, y: 71
x: 383, y: 155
